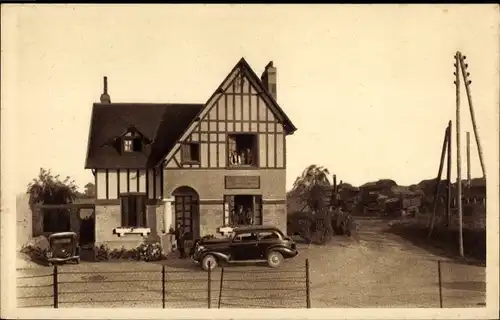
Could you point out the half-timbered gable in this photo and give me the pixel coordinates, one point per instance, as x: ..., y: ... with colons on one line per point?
x: 240, y: 126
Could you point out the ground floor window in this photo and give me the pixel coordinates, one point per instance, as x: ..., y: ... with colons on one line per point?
x: 242, y: 210
x: 133, y: 210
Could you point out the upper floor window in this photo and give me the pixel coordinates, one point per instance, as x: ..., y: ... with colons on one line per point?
x: 242, y: 150
x: 191, y: 152
x: 132, y: 143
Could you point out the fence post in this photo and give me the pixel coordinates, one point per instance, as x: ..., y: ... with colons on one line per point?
x: 209, y: 285
x: 55, y: 287
x: 440, y: 286
x: 308, y: 289
x: 163, y: 285
x: 221, y: 282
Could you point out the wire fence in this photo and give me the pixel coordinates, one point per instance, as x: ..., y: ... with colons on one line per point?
x: 444, y: 284
x: 233, y: 287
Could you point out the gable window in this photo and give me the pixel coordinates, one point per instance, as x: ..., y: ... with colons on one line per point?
x: 242, y: 150
x: 132, y: 143
x: 191, y: 152
x: 133, y: 211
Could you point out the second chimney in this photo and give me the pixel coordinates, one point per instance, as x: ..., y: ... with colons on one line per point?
x: 269, y: 80
x: 105, y: 98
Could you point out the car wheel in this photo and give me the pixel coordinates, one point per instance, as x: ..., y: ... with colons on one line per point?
x: 274, y: 259
x: 209, y: 262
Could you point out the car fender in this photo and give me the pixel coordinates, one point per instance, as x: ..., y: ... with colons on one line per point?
x: 285, y: 251
x: 218, y: 255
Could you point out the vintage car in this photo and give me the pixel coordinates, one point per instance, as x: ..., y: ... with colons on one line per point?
x: 245, y: 244
x: 63, y: 247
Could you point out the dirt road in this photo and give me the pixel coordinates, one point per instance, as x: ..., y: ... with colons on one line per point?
x: 384, y: 270
x: 376, y: 270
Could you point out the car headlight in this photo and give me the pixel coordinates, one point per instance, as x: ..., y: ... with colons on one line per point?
x: 200, y: 248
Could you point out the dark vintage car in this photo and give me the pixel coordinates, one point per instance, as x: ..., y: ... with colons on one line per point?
x: 245, y: 244
x: 63, y: 247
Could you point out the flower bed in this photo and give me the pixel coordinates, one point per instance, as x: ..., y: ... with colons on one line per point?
x: 144, y: 252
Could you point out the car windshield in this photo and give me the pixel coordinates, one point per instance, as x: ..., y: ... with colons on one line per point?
x: 61, y: 240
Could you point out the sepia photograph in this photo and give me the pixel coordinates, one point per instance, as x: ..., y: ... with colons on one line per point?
x: 250, y: 161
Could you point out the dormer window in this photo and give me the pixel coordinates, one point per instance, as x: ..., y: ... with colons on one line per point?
x: 132, y: 142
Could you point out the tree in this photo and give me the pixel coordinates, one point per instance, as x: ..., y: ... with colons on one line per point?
x: 312, y: 187
x: 47, y: 188
x: 89, y: 189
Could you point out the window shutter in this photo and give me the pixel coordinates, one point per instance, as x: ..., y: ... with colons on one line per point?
x: 231, y: 144
x: 186, y: 152
x: 229, y: 203
x: 257, y: 210
x: 228, y: 209
x: 255, y: 151
x: 125, y: 211
x: 141, y: 211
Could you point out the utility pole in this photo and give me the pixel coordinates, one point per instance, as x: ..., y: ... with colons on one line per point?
x: 438, y: 183
x: 466, y: 75
x: 468, y: 157
x: 458, y: 61
x: 448, y: 177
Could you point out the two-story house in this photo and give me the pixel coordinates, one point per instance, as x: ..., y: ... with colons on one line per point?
x: 203, y: 165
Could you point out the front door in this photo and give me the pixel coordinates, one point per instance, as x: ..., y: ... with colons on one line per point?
x: 245, y: 246
x: 186, y: 207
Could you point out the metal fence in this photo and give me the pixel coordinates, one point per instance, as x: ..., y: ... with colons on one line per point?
x: 235, y: 287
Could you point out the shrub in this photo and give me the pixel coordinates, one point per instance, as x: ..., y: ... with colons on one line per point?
x: 150, y: 252
x: 102, y: 253
x: 36, y: 254
x: 36, y: 249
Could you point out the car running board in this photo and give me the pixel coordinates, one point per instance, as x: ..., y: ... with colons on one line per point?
x: 246, y: 261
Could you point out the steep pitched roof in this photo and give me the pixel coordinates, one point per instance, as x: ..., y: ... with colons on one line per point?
x: 244, y: 67
x: 288, y: 125
x: 160, y: 124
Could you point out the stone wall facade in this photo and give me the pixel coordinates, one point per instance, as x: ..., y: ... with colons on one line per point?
x: 108, y: 217
x: 210, y: 186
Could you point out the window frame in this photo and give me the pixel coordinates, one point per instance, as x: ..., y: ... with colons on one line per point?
x: 190, y: 144
x: 133, y: 138
x: 255, y: 150
x: 257, y: 199
x: 124, y: 221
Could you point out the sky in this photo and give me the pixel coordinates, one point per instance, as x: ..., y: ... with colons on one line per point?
x: 370, y: 88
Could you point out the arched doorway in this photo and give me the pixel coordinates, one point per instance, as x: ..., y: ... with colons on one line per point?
x: 187, y: 210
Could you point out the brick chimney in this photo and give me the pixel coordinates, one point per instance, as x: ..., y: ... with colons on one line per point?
x: 269, y: 80
x: 105, y: 98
